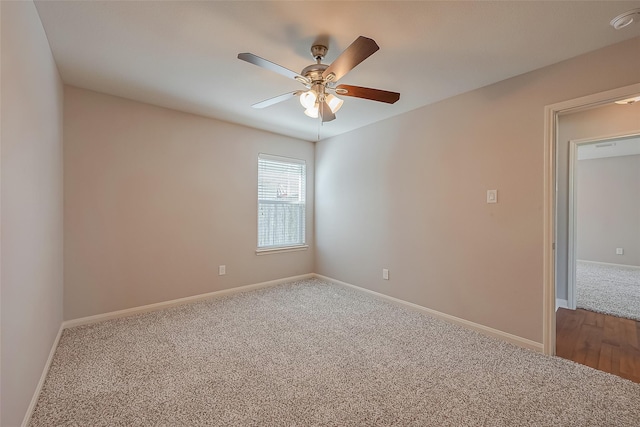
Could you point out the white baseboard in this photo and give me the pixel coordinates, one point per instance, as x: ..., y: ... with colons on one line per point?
x: 610, y: 264
x: 561, y: 303
x: 172, y: 303
x: 43, y: 376
x: 495, y: 333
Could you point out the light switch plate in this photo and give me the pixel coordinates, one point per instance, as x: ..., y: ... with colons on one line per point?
x: 385, y: 274
x: 492, y: 196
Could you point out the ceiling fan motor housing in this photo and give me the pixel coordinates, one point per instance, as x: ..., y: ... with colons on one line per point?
x: 314, y: 72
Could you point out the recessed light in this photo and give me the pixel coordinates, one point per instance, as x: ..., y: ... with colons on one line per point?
x: 628, y: 101
x: 625, y: 19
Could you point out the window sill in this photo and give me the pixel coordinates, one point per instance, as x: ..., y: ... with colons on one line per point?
x: 268, y: 251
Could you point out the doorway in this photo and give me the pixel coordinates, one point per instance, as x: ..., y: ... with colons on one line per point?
x: 604, y: 225
x: 576, y: 138
x: 552, y: 114
x: 601, y: 326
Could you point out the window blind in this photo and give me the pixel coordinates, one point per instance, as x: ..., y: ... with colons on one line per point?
x: 281, y: 201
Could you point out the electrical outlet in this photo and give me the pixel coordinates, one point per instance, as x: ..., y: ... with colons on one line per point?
x: 619, y: 251
x: 385, y: 273
x: 222, y: 270
x: 492, y: 196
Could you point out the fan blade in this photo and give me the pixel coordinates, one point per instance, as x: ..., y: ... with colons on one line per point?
x: 368, y: 93
x: 276, y: 99
x: 325, y: 112
x: 261, y: 62
x: 358, y: 51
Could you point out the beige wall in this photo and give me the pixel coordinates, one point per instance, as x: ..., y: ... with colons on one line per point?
x: 598, y: 122
x: 31, y: 212
x: 409, y: 194
x: 156, y: 199
x: 608, y: 202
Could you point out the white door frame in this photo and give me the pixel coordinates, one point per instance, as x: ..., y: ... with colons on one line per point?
x: 573, y: 204
x: 551, y: 113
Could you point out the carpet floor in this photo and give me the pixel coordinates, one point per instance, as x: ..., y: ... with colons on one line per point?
x: 311, y: 353
x: 608, y: 289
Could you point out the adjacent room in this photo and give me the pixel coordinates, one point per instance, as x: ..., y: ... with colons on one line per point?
x: 598, y: 282
x: 317, y: 213
x: 608, y: 203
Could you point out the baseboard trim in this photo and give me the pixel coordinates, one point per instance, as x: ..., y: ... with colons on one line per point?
x: 636, y: 267
x: 43, y: 376
x: 175, y: 302
x: 561, y: 303
x: 485, y: 330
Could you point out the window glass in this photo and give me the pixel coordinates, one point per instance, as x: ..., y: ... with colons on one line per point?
x: 281, y: 202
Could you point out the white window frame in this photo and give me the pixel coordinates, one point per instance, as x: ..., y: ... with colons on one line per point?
x: 301, y: 242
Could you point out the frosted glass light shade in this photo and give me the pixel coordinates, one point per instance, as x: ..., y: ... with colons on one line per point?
x: 334, y: 103
x: 308, y: 99
x: 312, y: 112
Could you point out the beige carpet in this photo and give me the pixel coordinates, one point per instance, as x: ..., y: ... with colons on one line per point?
x: 311, y: 353
x: 608, y: 289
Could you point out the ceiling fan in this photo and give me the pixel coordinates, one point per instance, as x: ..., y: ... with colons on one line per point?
x: 320, y: 100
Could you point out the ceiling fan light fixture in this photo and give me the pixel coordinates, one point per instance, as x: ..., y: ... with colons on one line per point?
x: 334, y: 103
x: 312, y: 111
x: 308, y: 99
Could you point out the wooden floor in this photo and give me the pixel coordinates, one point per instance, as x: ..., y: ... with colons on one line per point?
x: 607, y: 343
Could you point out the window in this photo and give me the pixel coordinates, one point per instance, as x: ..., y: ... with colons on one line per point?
x: 281, y: 203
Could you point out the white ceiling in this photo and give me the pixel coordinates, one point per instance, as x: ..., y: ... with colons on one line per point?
x: 183, y: 55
